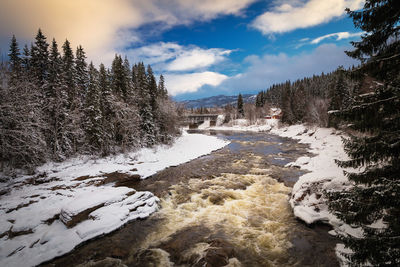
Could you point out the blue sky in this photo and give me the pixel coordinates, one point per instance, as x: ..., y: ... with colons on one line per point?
x: 203, y: 48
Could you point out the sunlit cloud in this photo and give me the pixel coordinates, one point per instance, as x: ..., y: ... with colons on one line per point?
x: 191, y: 82
x: 291, y: 15
x: 104, y: 27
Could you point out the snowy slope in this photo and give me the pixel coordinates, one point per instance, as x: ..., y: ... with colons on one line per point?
x: 48, y: 216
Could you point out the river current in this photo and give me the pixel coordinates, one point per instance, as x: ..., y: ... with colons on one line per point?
x: 229, y: 208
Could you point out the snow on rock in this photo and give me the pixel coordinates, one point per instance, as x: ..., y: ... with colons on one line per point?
x: 47, y: 215
x: 307, y: 199
x: 299, y: 162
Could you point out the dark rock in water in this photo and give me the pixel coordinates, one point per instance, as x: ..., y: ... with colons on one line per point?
x: 218, y: 254
x: 224, y: 245
x: 151, y: 258
x: 119, y: 252
x: 216, y: 257
x: 107, y: 262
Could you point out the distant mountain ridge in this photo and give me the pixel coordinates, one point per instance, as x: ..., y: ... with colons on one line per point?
x: 217, y: 101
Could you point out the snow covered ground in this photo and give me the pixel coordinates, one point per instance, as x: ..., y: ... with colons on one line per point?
x: 67, y: 203
x: 307, y: 199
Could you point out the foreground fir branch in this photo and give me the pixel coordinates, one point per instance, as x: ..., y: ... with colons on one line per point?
x: 373, y: 204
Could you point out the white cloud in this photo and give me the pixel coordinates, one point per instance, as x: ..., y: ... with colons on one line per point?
x: 338, y: 35
x: 191, y: 82
x: 268, y: 69
x: 197, y: 58
x: 104, y: 27
x: 174, y: 57
x: 291, y: 15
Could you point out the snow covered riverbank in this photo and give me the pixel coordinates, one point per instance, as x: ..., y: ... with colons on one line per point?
x: 67, y: 203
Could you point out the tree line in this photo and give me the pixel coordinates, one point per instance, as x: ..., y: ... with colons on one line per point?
x: 308, y: 100
x: 55, y: 105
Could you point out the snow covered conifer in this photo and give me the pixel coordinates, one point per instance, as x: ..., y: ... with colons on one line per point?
x: 339, y: 93
x: 56, y: 108
x: 119, y: 78
x: 69, y: 71
x: 107, y: 112
x: 373, y: 204
x: 162, y: 90
x: 40, y: 59
x: 240, y: 109
x: 25, y: 60
x: 81, y: 72
x: 14, y: 61
x: 93, y: 118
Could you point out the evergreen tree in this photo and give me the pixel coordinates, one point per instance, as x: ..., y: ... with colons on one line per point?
x: 259, y: 100
x: 240, y: 109
x: 338, y: 93
x: 146, y: 108
x: 25, y: 61
x: 119, y: 77
x: 107, y: 114
x: 74, y: 134
x: 376, y: 194
x: 162, y: 91
x: 15, y: 61
x: 93, y: 123
x: 69, y: 71
x: 56, y: 108
x: 299, y: 103
x: 40, y: 59
x: 81, y: 72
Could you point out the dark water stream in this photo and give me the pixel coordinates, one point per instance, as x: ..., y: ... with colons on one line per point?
x: 229, y: 208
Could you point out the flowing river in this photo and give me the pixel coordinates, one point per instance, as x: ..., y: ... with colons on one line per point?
x: 229, y: 208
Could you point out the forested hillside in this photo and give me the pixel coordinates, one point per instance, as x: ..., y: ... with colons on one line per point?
x: 55, y: 105
x: 310, y: 99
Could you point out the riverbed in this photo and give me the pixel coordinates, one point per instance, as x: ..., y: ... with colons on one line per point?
x: 229, y: 208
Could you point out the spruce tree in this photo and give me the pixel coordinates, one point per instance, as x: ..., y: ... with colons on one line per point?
x: 25, y: 60
x: 40, y: 59
x: 74, y: 131
x: 69, y: 71
x: 375, y: 197
x: 162, y: 90
x: 338, y: 93
x: 93, y: 118
x: 240, y: 109
x: 14, y: 61
x: 299, y: 104
x: 107, y: 112
x: 81, y: 72
x: 56, y: 110
x: 119, y: 77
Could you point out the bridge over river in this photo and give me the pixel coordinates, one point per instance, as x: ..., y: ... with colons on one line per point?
x: 194, y: 120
